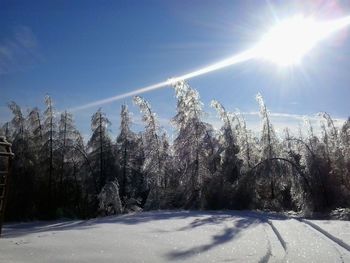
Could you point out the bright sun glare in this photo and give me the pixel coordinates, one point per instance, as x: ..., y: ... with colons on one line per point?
x: 287, y: 42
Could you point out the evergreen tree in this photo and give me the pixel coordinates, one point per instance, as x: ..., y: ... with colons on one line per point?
x: 228, y: 142
x: 270, y: 169
x: 130, y: 159
x: 154, y: 163
x: 56, y: 174
x: 109, y: 200
x: 20, y: 204
x: 189, y: 145
x: 100, y: 151
x: 49, y: 156
x: 70, y: 144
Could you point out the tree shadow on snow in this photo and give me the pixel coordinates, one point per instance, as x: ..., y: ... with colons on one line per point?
x: 226, y: 235
x: 21, y: 229
x: 200, y: 218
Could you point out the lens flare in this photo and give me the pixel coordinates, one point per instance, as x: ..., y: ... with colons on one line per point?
x: 285, y: 44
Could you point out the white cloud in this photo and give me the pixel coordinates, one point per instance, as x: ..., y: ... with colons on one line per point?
x: 18, y: 51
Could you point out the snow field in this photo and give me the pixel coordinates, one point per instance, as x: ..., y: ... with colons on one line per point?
x: 167, y: 236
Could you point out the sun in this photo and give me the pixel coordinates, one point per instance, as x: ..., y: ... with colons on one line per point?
x: 288, y: 42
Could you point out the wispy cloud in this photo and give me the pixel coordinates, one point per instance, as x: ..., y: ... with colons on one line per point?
x: 280, y: 121
x: 19, y: 50
x: 299, y: 117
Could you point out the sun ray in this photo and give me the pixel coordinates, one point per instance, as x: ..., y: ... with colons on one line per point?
x: 285, y: 44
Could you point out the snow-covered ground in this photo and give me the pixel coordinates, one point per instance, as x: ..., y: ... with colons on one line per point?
x: 168, y: 236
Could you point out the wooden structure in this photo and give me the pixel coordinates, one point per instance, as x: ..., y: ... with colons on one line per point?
x: 6, y: 157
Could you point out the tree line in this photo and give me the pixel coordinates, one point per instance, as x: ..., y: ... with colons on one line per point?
x: 57, y: 174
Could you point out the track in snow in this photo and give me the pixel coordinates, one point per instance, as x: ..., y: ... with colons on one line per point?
x: 333, y: 238
x: 166, y: 236
x: 304, y: 244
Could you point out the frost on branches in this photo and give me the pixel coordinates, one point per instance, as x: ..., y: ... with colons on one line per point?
x: 109, y: 200
x: 201, y: 168
x: 154, y: 165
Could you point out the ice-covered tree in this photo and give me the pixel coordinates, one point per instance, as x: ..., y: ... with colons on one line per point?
x: 231, y: 165
x: 239, y: 155
x: 345, y: 135
x: 345, y: 148
x: 154, y: 162
x: 56, y: 174
x: 268, y: 139
x: 166, y: 157
x: 22, y: 179
x: 129, y: 158
x: 35, y: 127
x: 337, y: 160
x: 48, y: 153
x: 100, y: 150
x: 70, y: 149
x: 189, y: 144
x: 269, y: 171
x: 109, y: 199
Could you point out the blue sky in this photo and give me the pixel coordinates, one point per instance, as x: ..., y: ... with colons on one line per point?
x: 82, y: 51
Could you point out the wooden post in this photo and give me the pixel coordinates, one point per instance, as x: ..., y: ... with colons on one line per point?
x: 6, y: 157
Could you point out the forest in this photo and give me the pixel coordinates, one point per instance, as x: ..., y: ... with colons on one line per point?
x: 56, y: 174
